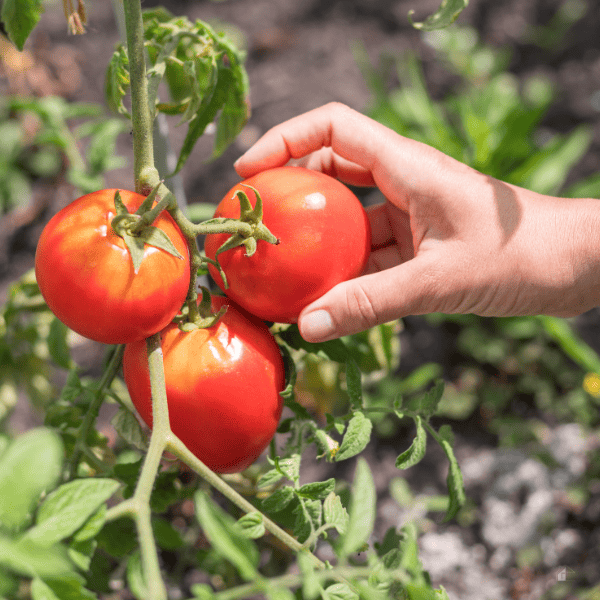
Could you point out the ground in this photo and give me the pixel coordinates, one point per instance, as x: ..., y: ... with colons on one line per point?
x: 300, y: 56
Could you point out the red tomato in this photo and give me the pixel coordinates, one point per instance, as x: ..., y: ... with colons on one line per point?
x: 324, y: 234
x: 86, y: 274
x: 223, y: 385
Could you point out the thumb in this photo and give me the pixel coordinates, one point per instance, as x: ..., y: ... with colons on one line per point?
x: 417, y: 286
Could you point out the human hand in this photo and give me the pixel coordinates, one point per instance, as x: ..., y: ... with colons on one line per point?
x: 449, y: 239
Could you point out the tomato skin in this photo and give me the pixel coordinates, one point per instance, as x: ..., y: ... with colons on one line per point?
x: 86, y: 273
x: 223, y: 385
x: 325, y: 238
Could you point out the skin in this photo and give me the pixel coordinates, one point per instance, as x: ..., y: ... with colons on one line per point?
x: 448, y: 239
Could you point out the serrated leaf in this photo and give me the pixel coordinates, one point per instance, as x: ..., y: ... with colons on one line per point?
x: 445, y: 15
x: 354, y: 383
x: 67, y: 508
x: 117, y: 80
x: 30, y: 465
x: 356, y: 438
x: 219, y: 528
x: 289, y: 467
x: 428, y: 403
x: 362, y: 511
x: 19, y: 18
x: 309, y: 514
x: 269, y: 478
x: 416, y: 451
x: 335, y: 514
x: 317, y: 490
x: 252, y: 525
x: 279, y: 499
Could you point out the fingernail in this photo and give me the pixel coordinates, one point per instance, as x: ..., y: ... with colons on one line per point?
x: 317, y: 325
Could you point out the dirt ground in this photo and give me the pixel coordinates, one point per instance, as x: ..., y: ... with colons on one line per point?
x: 300, y: 57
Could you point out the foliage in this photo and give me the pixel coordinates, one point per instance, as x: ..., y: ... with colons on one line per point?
x: 38, y: 142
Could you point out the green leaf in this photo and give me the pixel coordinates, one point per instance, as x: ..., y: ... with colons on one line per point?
x: 252, y: 525
x: 269, y: 478
x: 279, y: 499
x: 129, y: 428
x: 416, y: 451
x: 30, y: 466
x: 309, y: 515
x: 19, y: 18
x: 67, y: 508
x: 362, y: 511
x: 445, y: 15
x: 40, y: 591
x: 135, y: 576
x: 92, y: 526
x: 311, y: 586
x: 333, y: 350
x: 356, y: 438
x: 69, y: 586
x: 81, y: 553
x: 26, y: 558
x: 454, y: 480
x: 289, y: 467
x: 339, y: 591
x: 220, y: 530
x: 354, y: 383
x: 57, y: 344
x: 317, y: 490
x: 167, y: 537
x: 117, y: 80
x: 428, y: 403
x: 334, y: 513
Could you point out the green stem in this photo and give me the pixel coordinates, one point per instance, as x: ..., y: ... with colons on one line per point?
x: 92, y: 413
x: 177, y: 447
x: 142, y: 120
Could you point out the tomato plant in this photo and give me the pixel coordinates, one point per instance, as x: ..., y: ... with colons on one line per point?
x: 223, y: 385
x: 324, y: 239
x: 87, y: 276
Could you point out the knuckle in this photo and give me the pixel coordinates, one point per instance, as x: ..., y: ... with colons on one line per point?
x: 361, y: 306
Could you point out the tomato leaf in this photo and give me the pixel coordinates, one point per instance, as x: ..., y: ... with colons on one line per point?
x: 29, y: 466
x: 67, y: 508
x: 219, y: 528
x: 251, y: 525
x: 357, y: 436
x: 416, y: 451
x: 317, y: 490
x: 454, y: 480
x: 361, y: 516
x: 334, y: 513
x: 446, y: 14
x: 334, y: 350
x: 19, y: 18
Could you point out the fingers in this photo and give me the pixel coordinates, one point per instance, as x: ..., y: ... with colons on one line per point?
x: 359, y: 150
x: 414, y: 287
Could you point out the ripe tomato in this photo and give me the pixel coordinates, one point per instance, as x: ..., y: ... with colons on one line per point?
x: 86, y: 273
x: 324, y: 234
x: 223, y: 385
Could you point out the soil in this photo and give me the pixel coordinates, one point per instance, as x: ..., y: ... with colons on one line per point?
x: 300, y: 56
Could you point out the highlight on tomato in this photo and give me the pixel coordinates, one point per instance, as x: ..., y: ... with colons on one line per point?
x: 87, y: 277
x: 324, y: 239
x: 223, y: 387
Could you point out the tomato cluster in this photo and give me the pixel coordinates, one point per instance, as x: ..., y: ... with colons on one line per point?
x: 223, y: 382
